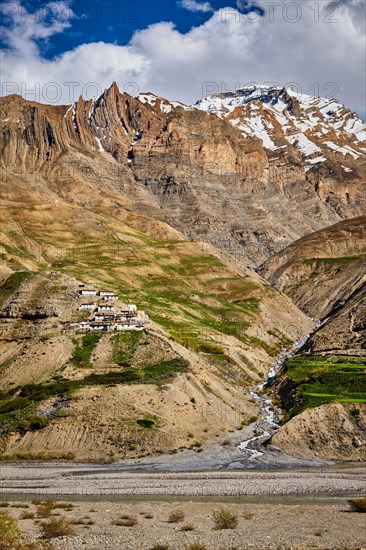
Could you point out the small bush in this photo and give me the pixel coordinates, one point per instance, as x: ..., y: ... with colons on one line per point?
x: 57, y: 527
x: 126, y: 521
x: 224, y: 519
x: 44, y: 510
x: 176, y: 516
x: 248, y: 515
x: 9, y: 532
x: 187, y: 527
x: 145, y: 423
x: 358, y: 504
x: 32, y: 424
x: 148, y: 516
x: 196, y: 546
x: 83, y: 521
x: 27, y: 515
x: 4, y: 504
x: 160, y: 547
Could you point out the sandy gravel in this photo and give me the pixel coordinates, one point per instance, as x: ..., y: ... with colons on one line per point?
x: 75, y: 479
x: 260, y: 526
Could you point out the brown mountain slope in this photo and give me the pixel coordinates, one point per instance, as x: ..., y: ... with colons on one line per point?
x: 107, y: 192
x: 324, y: 386
x: 182, y: 166
x: 224, y: 320
x: 320, y: 271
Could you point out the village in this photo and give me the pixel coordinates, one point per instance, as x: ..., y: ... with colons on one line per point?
x: 107, y: 313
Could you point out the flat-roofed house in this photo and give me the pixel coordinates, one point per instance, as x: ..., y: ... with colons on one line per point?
x: 88, y: 292
x: 105, y: 308
x: 111, y: 297
x: 87, y: 306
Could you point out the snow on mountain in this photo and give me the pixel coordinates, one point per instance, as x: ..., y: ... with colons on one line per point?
x: 155, y: 101
x: 319, y: 129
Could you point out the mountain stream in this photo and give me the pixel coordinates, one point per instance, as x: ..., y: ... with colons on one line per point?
x: 268, y: 422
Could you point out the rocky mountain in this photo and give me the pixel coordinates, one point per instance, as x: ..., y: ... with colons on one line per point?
x: 171, y: 207
x: 317, y: 131
x: 324, y: 387
x: 191, y: 169
x: 321, y: 271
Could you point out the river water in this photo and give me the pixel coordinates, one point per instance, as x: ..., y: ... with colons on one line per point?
x: 270, y: 416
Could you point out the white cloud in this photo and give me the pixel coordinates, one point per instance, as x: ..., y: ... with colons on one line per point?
x: 193, y: 5
x: 228, y: 49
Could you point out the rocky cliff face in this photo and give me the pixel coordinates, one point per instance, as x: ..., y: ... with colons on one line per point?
x: 201, y: 173
x: 325, y: 275
x: 322, y: 270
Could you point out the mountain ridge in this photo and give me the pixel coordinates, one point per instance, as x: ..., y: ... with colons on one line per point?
x: 175, y: 162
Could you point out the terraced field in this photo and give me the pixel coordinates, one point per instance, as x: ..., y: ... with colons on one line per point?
x: 322, y: 379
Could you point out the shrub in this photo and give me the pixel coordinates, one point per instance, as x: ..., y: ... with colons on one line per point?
x: 44, y: 510
x: 160, y: 547
x: 126, y: 521
x: 4, y: 504
x: 176, y: 516
x: 9, y: 532
x: 11, y: 539
x: 187, y: 527
x: 27, y: 515
x: 32, y: 424
x: 57, y: 527
x: 83, y: 521
x: 358, y: 504
x: 196, y: 546
x: 145, y: 423
x: 248, y: 515
x: 224, y: 519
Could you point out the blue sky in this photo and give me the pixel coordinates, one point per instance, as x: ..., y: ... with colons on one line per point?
x: 182, y: 49
x: 117, y: 20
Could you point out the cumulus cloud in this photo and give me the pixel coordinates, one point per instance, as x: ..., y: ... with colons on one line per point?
x: 193, y: 5
x: 290, y: 43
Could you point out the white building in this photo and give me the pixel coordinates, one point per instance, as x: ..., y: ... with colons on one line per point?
x: 106, y: 293
x: 105, y: 308
x: 131, y: 307
x: 87, y: 306
x: 123, y: 326
x: 88, y: 292
x: 111, y: 297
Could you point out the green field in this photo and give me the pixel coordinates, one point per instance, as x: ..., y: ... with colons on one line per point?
x: 320, y: 380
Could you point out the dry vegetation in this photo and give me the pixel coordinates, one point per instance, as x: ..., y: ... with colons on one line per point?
x: 57, y: 527
x: 125, y: 521
x: 224, y: 519
x: 358, y: 504
x: 176, y: 516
